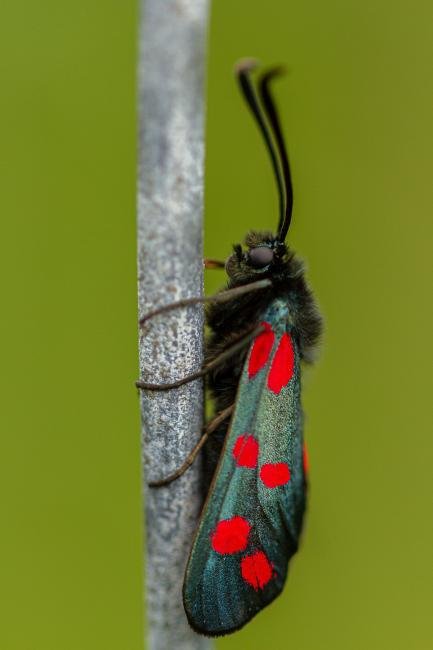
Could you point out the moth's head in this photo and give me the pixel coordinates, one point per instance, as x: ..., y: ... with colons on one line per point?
x: 263, y: 256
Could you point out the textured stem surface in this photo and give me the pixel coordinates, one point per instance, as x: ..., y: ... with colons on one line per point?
x: 170, y: 206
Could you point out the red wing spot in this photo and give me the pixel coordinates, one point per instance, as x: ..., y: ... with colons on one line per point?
x: 275, y: 474
x: 246, y: 451
x: 256, y: 570
x: 261, y: 350
x: 283, y: 365
x: 305, y: 459
x: 230, y: 535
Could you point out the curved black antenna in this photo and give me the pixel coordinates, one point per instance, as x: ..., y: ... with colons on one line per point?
x: 274, y: 121
x: 243, y: 69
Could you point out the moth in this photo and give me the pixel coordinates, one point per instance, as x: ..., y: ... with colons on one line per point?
x: 263, y: 325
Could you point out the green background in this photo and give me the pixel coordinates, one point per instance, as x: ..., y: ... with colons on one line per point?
x: 358, y: 113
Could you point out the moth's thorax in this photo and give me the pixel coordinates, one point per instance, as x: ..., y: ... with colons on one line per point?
x: 279, y: 313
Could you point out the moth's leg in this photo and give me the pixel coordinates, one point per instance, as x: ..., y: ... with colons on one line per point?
x: 239, y: 343
x: 213, y: 264
x: 221, y: 296
x: 210, y: 428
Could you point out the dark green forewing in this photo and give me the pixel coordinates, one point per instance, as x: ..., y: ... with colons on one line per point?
x: 252, y: 518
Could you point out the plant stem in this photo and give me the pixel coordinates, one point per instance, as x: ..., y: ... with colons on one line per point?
x: 170, y: 208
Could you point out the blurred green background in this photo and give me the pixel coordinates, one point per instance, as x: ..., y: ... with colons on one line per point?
x: 357, y: 109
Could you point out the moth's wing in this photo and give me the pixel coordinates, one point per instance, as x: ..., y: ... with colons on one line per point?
x: 252, y: 518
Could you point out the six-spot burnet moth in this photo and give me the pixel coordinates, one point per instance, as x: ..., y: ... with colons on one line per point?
x: 263, y: 325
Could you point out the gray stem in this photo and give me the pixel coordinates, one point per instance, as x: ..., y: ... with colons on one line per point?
x: 170, y: 207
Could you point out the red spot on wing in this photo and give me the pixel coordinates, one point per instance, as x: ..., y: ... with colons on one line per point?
x: 261, y: 350
x: 275, y: 474
x: 246, y: 451
x: 283, y: 365
x: 305, y: 459
x: 230, y: 535
x: 256, y: 570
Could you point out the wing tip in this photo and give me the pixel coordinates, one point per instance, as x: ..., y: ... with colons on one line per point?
x: 202, y: 627
x: 214, y: 633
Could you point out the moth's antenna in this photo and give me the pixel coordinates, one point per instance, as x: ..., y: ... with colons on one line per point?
x: 243, y: 68
x: 274, y: 121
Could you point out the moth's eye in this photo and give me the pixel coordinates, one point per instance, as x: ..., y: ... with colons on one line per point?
x: 261, y: 256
